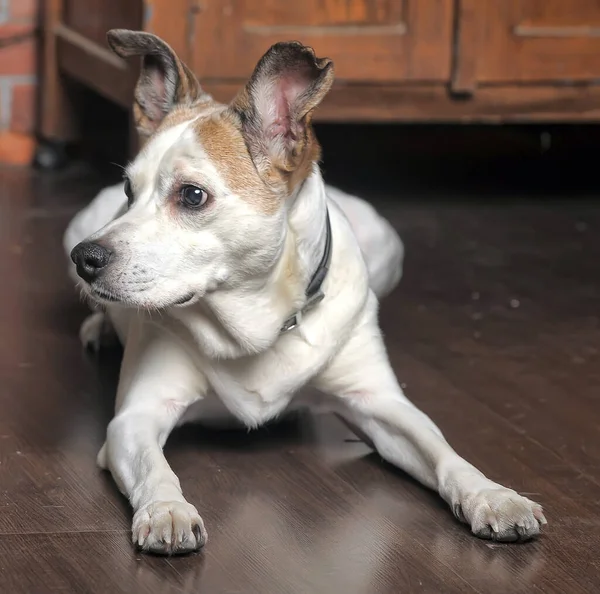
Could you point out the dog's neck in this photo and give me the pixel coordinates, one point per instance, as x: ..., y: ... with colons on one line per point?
x: 241, y: 321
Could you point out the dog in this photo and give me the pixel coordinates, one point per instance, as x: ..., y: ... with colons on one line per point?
x: 233, y: 277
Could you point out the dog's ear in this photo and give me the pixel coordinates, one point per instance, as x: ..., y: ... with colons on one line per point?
x: 277, y: 103
x: 164, y: 82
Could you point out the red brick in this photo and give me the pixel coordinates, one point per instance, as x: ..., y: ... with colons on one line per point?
x: 22, y: 117
x: 9, y: 29
x: 16, y: 149
x: 18, y: 57
x: 24, y: 10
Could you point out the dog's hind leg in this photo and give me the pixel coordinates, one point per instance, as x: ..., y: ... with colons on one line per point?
x: 368, y: 396
x: 158, y: 382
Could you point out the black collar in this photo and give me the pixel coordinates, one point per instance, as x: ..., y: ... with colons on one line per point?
x: 314, y: 294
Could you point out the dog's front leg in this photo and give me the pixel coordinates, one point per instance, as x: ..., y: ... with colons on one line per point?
x: 158, y: 382
x: 368, y: 397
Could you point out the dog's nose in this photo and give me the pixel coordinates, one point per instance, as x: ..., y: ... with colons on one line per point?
x: 90, y: 258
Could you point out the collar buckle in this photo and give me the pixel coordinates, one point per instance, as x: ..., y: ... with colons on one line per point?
x: 294, y: 321
x: 291, y: 323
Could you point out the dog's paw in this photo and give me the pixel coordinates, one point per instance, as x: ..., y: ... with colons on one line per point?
x: 501, y: 514
x: 168, y: 528
x: 97, y: 332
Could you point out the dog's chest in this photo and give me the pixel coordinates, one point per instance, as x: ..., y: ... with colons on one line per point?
x: 252, y: 388
x: 257, y: 390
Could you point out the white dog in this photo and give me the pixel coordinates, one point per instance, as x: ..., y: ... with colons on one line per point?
x: 234, y: 278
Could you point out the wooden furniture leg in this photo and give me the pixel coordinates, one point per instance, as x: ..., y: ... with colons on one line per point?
x: 58, y: 110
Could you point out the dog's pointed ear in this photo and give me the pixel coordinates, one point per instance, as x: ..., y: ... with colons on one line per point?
x: 164, y: 82
x: 277, y: 103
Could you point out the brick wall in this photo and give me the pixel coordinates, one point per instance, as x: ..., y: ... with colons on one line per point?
x: 18, y: 43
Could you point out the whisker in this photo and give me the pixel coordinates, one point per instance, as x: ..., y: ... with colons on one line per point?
x: 122, y: 167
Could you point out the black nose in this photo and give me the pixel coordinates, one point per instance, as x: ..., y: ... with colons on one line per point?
x: 90, y: 258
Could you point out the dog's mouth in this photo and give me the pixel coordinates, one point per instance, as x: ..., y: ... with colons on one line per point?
x: 105, y: 296
x: 185, y: 299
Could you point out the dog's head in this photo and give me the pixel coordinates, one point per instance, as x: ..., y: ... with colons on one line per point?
x: 208, y: 191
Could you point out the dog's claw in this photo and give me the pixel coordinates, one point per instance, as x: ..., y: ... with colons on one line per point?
x: 200, y: 535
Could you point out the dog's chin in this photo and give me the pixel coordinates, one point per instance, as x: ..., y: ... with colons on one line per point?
x: 105, y: 297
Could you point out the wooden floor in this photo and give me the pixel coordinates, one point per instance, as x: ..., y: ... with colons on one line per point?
x: 494, y: 331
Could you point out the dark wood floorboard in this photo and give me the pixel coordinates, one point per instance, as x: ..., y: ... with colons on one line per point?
x: 494, y: 332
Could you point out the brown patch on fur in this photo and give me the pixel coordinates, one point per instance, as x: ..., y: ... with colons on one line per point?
x: 307, y: 152
x: 143, y: 123
x: 289, y: 284
x: 186, y: 113
x: 178, y: 115
x: 222, y: 139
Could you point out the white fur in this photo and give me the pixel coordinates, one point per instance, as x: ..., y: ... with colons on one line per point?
x: 222, y: 353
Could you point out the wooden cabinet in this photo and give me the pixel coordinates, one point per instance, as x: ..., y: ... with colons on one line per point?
x: 396, y: 60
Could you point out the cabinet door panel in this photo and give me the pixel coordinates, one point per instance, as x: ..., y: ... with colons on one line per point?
x: 537, y: 40
x: 369, y: 40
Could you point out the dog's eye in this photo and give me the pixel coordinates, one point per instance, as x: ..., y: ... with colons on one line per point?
x: 193, y: 197
x: 128, y: 192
